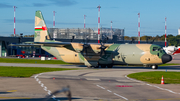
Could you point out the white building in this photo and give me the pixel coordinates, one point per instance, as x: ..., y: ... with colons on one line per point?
x: 179, y: 31
x: 81, y: 33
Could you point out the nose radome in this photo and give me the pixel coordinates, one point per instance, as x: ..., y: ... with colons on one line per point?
x: 166, y: 58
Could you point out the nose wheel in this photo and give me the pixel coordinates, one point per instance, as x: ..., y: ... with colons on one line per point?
x: 154, y: 66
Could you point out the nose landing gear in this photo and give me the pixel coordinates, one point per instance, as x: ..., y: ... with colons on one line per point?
x: 154, y: 66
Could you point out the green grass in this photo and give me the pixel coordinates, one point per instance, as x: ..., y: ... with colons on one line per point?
x: 9, y: 71
x: 33, y: 61
x: 155, y: 77
x: 169, y: 64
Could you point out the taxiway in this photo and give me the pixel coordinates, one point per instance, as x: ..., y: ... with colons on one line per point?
x: 88, y: 85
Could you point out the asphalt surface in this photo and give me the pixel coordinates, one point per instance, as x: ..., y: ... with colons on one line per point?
x: 88, y: 85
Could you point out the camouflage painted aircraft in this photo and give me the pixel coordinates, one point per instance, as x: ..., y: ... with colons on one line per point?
x: 95, y: 55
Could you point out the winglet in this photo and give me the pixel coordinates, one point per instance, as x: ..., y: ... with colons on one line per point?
x: 41, y: 33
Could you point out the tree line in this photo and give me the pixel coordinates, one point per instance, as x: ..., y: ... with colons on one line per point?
x: 172, y: 40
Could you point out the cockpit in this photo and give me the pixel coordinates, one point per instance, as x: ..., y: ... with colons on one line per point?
x: 157, y: 50
x: 161, y: 50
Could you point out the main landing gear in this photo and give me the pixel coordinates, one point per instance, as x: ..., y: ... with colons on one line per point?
x: 108, y: 66
x: 102, y: 66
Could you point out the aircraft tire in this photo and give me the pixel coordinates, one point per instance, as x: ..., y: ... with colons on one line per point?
x: 110, y: 66
x: 154, y: 66
x: 103, y: 66
x: 96, y: 66
x: 89, y: 66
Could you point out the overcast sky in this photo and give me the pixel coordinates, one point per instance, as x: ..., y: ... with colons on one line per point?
x: 69, y: 14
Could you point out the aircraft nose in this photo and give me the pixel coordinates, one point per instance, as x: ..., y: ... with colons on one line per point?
x: 166, y: 58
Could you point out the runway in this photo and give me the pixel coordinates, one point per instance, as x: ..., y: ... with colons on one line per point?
x: 89, y: 85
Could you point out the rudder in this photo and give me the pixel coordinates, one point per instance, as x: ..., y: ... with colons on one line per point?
x: 41, y: 32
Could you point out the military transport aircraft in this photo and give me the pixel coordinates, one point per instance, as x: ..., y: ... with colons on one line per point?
x: 95, y: 55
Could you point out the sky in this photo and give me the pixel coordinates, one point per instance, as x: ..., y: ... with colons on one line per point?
x: 70, y: 14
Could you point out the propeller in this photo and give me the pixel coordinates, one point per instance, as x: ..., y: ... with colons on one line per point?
x: 105, y: 39
x: 72, y: 38
x: 132, y: 41
x: 85, y: 46
x: 152, y: 41
x: 147, y: 39
x: 102, y: 49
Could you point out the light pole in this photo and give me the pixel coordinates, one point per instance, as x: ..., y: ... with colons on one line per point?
x: 99, y: 23
x: 14, y: 20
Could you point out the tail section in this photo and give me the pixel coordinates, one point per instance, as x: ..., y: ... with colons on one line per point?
x: 41, y: 33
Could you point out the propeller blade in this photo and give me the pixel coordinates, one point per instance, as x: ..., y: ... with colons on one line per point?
x: 146, y: 39
x: 72, y: 38
x: 86, y: 51
x: 101, y: 53
x: 102, y: 49
x: 152, y: 41
x: 85, y: 46
x: 82, y: 51
x: 132, y: 41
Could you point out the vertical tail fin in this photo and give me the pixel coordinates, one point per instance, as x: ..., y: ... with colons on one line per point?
x: 41, y: 33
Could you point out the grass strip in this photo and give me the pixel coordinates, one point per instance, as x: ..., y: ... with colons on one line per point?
x: 9, y: 71
x: 169, y: 64
x: 33, y: 61
x: 155, y: 77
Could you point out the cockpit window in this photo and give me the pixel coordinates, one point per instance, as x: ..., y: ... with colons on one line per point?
x: 155, y: 49
x: 162, y: 51
x: 158, y: 49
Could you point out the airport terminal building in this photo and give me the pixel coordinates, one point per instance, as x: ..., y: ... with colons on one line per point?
x: 90, y: 33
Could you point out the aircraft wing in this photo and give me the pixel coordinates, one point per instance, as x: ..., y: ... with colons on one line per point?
x: 78, y: 47
x: 25, y: 45
x: 53, y: 44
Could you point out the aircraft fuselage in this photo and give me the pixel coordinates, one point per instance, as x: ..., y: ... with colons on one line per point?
x: 116, y: 54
